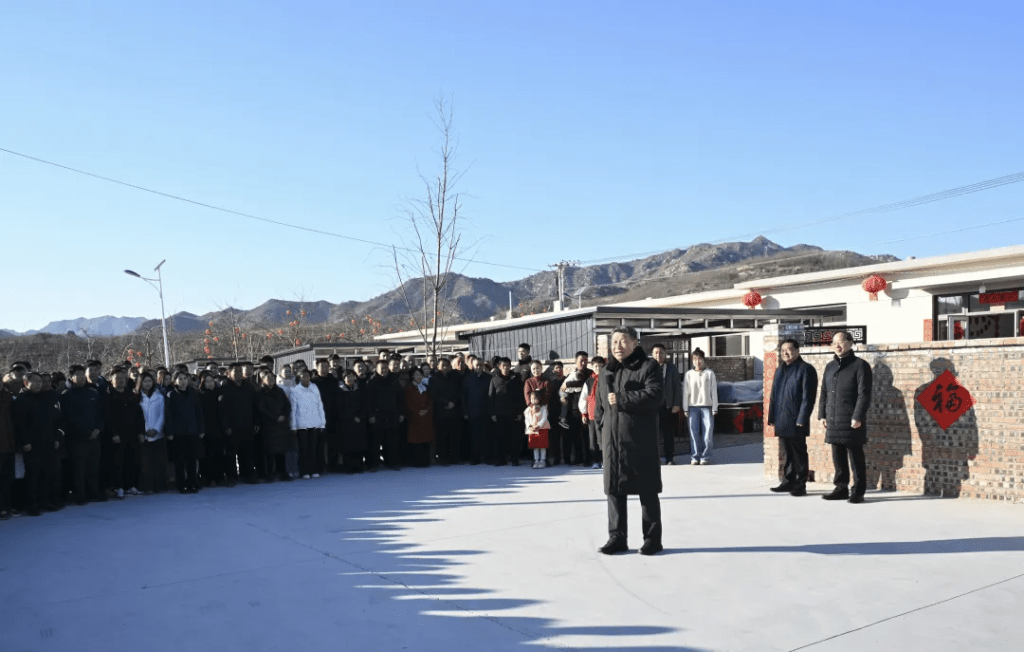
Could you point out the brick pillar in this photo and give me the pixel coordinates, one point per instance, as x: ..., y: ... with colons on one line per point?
x: 773, y: 456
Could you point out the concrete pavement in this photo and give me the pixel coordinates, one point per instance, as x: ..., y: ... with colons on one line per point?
x: 504, y: 558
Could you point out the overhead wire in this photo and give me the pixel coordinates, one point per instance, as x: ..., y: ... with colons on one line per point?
x: 250, y: 215
x: 942, y: 195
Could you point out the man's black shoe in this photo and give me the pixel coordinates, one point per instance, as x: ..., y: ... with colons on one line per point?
x: 613, y: 546
x: 651, y: 547
x: 798, y: 490
x: 670, y: 462
x: 839, y: 493
x: 856, y: 498
x: 783, y: 488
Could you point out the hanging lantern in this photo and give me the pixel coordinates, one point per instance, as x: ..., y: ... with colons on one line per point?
x: 752, y: 299
x: 211, y: 324
x: 341, y: 335
x: 206, y: 349
x: 328, y: 337
x: 269, y: 335
x: 287, y: 312
x: 207, y: 331
x: 243, y: 335
x: 237, y: 329
x: 302, y: 312
x: 216, y: 339
x: 280, y: 331
x: 873, y: 285
x: 298, y: 342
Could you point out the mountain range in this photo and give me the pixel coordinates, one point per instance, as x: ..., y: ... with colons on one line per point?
x: 678, y: 271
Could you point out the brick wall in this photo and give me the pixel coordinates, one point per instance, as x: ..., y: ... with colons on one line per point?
x: 980, y: 456
x: 732, y: 368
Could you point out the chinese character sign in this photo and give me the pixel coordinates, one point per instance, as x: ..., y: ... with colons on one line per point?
x: 945, y: 399
x: 823, y: 336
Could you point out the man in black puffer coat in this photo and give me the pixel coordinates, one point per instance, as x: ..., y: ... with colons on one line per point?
x: 629, y: 395
x: 843, y: 408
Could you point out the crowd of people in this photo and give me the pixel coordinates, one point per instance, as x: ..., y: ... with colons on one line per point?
x: 95, y: 434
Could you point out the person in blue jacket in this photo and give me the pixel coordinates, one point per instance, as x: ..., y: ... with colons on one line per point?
x: 794, y: 392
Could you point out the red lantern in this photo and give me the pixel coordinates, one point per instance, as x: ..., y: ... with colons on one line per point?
x: 269, y: 335
x: 216, y: 339
x: 328, y: 337
x: 237, y: 329
x: 298, y: 342
x: 280, y: 331
x: 211, y: 324
x: 302, y: 312
x: 138, y: 364
x: 752, y: 299
x: 206, y: 349
x: 873, y: 285
x: 287, y: 312
x: 129, y: 358
x: 341, y: 335
x: 207, y: 331
x: 362, y: 331
x: 243, y: 335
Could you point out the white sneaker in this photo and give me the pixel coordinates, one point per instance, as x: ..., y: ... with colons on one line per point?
x: 316, y: 475
x: 134, y: 492
x: 120, y: 494
x: 305, y: 477
x: 705, y: 462
x: 595, y: 465
x: 694, y: 462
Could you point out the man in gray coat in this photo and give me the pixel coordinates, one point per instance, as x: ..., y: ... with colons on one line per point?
x: 668, y: 415
x: 629, y: 395
x: 843, y: 408
x: 794, y: 391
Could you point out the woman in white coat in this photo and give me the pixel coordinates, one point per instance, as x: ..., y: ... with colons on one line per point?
x: 308, y: 421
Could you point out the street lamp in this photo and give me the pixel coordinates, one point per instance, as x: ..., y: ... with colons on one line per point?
x: 159, y: 286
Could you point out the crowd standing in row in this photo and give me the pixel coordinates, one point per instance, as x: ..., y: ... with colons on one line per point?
x: 90, y: 436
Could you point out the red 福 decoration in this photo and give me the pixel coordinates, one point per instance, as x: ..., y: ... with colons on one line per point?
x: 752, y: 299
x: 873, y: 285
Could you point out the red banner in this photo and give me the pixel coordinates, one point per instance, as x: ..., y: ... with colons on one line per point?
x: 945, y: 399
x: 998, y: 298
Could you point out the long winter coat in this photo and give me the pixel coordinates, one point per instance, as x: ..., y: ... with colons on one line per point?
x: 421, y: 428
x: 794, y: 391
x: 629, y: 429
x: 153, y: 411
x: 474, y: 395
x: 82, y: 409
x: 446, y: 389
x: 123, y: 416
x: 8, y: 440
x: 183, y: 413
x: 237, y: 406
x: 272, y: 403
x: 352, y: 406
x: 37, y: 419
x: 845, y: 397
x: 210, y: 398
x: 328, y: 387
x: 384, y: 400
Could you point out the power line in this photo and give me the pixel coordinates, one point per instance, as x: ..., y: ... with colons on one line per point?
x: 884, y: 208
x: 247, y: 215
x: 811, y: 254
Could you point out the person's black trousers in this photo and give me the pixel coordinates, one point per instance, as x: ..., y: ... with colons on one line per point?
x: 651, y: 516
x: 573, y: 448
x: 112, y: 465
x: 212, y: 467
x: 38, y: 473
x: 669, y: 424
x: 6, y: 480
x: 557, y: 439
x: 842, y: 456
x: 186, y: 450
x: 307, y: 451
x: 391, y: 439
x: 85, y: 469
x: 320, y: 449
x: 241, y: 444
x: 479, y: 450
x: 449, y: 439
x: 595, y: 442
x: 259, y: 457
x: 796, y: 459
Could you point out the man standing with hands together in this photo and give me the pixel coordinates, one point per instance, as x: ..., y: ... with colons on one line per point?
x: 842, y: 409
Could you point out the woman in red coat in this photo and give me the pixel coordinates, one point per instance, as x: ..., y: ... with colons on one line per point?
x: 419, y: 414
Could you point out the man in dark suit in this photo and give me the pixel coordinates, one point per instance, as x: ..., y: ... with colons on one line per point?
x: 794, y: 391
x: 668, y: 415
x: 843, y: 408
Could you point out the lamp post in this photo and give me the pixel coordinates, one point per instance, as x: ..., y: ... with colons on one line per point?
x: 160, y: 290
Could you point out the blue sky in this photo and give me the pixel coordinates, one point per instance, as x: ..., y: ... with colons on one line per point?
x: 588, y: 130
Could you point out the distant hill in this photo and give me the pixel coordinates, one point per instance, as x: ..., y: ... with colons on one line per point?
x: 678, y: 271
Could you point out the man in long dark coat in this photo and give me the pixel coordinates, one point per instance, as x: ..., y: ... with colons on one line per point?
x: 794, y: 391
x: 629, y: 395
x: 843, y: 408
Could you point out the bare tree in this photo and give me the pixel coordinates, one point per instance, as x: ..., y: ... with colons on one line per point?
x: 424, y: 263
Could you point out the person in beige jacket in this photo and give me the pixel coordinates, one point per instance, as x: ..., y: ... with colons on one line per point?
x: 700, y: 405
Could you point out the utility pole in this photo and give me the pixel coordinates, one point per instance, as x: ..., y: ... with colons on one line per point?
x: 560, y: 267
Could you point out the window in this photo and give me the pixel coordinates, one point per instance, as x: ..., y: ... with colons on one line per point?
x: 979, y: 316
x: 738, y: 344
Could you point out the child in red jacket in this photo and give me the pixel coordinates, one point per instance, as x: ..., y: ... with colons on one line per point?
x: 537, y: 428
